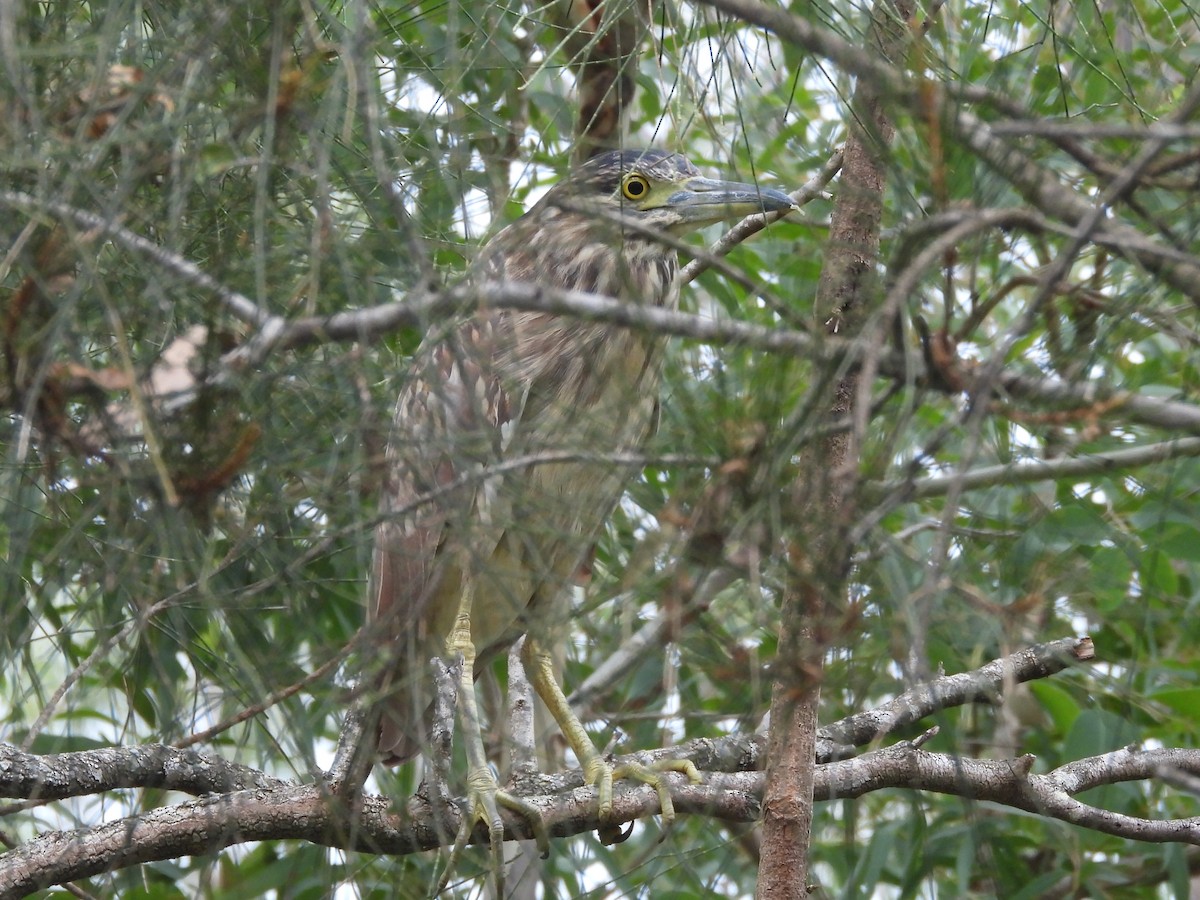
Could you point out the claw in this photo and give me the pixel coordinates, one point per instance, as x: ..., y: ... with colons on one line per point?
x: 484, y: 800
x: 652, y: 775
x: 596, y: 770
x: 611, y: 835
x: 602, y: 774
x: 484, y: 797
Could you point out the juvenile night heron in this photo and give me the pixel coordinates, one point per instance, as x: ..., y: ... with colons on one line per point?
x: 480, y: 563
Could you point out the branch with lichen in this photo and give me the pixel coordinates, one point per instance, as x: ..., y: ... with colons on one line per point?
x: 238, y: 804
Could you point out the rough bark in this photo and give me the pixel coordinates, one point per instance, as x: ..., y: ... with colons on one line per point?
x: 601, y: 40
x: 824, y: 495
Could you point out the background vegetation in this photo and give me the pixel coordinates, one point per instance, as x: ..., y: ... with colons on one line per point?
x: 188, y: 501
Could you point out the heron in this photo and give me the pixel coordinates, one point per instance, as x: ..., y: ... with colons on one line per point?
x: 497, y: 485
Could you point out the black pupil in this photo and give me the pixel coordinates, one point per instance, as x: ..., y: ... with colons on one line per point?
x: 635, y: 187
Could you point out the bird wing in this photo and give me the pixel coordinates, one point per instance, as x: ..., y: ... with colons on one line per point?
x: 452, y: 421
x: 504, y: 383
x: 454, y: 418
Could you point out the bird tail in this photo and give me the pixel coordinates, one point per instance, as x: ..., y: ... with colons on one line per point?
x: 403, y: 723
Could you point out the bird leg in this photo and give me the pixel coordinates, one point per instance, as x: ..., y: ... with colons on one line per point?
x: 484, y: 797
x: 540, y: 669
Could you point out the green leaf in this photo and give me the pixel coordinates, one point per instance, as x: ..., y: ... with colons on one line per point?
x: 1181, y: 700
x: 1058, y: 703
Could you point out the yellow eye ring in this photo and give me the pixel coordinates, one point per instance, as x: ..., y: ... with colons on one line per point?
x: 635, y: 187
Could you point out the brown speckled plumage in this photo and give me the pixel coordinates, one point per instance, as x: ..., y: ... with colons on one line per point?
x: 511, y: 384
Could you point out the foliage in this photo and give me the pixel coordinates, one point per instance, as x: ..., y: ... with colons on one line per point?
x: 323, y: 158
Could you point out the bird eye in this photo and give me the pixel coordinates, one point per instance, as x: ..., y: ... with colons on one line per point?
x: 635, y: 187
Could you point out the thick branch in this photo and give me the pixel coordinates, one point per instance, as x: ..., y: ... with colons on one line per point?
x: 273, y: 809
x: 28, y: 776
x: 825, y: 490
x: 313, y: 814
x: 59, y: 775
x: 1009, y: 783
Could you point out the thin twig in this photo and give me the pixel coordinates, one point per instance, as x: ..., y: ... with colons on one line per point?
x: 812, y: 189
x: 1032, y: 470
x: 239, y: 304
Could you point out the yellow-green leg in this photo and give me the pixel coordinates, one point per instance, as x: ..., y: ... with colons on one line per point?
x: 484, y: 797
x: 540, y: 670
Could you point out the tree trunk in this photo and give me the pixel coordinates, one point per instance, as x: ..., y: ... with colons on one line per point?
x: 823, y: 500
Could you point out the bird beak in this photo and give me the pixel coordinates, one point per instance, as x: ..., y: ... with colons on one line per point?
x: 702, y: 201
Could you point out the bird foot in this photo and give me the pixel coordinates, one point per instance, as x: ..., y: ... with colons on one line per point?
x: 602, y: 775
x: 484, y: 801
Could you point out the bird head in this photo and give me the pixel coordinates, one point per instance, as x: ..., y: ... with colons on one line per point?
x: 660, y: 191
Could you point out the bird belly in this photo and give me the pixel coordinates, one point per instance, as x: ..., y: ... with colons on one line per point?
x: 544, y: 517
x: 561, y: 506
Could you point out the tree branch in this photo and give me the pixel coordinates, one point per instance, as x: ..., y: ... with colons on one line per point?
x: 1038, y: 186
x: 825, y: 488
x: 374, y: 825
x: 59, y: 775
x: 753, y: 224
x: 254, y: 806
x: 424, y: 304
x: 1009, y: 783
x: 1031, y: 470
x: 374, y: 322
x: 985, y: 683
x: 186, y: 270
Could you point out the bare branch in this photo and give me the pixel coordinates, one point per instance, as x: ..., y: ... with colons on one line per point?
x: 1009, y: 783
x: 984, y: 683
x: 376, y: 321
x: 523, y: 750
x: 1072, y: 128
x: 355, y: 752
x: 374, y: 825
x: 58, y: 775
x: 1169, y: 414
x: 1031, y: 470
x: 372, y: 323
